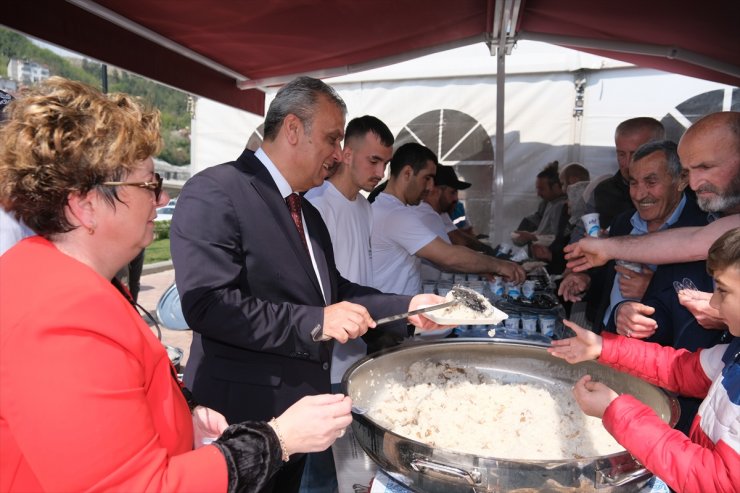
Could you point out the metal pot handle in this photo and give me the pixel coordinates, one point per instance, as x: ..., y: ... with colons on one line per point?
x: 610, y: 477
x: 425, y: 466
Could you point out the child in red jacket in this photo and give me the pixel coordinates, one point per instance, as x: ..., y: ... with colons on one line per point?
x: 709, y: 459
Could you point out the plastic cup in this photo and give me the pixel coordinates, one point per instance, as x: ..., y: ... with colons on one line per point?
x: 497, y: 286
x: 512, y: 323
x: 528, y: 289
x: 591, y: 223
x: 529, y: 324
x: 547, y: 325
x: 513, y: 291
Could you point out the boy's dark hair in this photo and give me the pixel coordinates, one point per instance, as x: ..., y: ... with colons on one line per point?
x: 550, y: 173
x: 411, y: 154
x: 359, y: 127
x: 725, y: 252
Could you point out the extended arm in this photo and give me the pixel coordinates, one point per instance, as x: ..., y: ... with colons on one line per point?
x: 664, y: 247
x: 462, y: 259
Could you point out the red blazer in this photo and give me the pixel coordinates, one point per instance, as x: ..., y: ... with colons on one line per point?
x: 87, y: 398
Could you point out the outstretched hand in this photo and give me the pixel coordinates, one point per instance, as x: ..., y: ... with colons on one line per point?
x: 697, y: 302
x: 584, y: 347
x: 593, y: 397
x: 586, y: 253
x: 573, y: 286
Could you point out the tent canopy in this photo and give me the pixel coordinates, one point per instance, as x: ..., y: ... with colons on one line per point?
x: 224, y: 49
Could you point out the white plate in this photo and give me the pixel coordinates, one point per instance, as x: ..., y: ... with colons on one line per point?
x: 433, y: 334
x: 496, y: 317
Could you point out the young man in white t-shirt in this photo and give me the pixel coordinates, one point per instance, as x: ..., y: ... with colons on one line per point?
x: 400, y: 240
x: 368, y: 146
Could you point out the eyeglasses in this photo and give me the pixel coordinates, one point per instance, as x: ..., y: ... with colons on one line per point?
x: 155, y: 186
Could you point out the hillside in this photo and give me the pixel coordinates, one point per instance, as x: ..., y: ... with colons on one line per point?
x: 173, y: 104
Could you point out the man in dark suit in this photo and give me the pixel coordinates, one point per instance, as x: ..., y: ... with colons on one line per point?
x: 255, y: 270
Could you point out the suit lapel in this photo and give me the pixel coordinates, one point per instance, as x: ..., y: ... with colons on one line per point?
x: 318, y: 252
x: 265, y: 187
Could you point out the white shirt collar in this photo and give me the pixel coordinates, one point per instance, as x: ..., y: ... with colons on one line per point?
x: 280, y: 181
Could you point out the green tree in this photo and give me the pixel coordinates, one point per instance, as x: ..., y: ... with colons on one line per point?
x: 173, y: 104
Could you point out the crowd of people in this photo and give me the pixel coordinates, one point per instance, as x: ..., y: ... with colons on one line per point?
x: 283, y: 265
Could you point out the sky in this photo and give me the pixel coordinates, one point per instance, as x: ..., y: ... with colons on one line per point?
x: 55, y: 48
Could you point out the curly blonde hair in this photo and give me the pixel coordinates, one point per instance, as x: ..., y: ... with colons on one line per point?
x: 62, y: 137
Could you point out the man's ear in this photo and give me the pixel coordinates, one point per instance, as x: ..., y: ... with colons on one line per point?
x: 293, y: 128
x: 347, y: 153
x: 407, y: 172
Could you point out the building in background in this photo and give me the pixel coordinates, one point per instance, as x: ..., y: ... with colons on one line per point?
x: 27, y: 71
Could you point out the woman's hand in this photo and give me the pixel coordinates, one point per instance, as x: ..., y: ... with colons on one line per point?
x: 207, y: 426
x: 313, y: 423
x: 584, y: 347
x: 593, y: 397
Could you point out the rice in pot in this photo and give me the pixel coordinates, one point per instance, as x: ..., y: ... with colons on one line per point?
x: 464, y: 410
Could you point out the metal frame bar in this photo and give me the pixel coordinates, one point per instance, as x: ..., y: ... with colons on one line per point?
x: 154, y: 37
x: 660, y: 51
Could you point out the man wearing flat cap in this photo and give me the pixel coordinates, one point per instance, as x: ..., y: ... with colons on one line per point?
x: 401, y: 239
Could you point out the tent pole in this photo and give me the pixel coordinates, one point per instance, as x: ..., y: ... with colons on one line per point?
x: 497, y: 207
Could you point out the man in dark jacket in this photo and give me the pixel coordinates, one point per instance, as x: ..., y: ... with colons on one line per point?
x: 612, y: 196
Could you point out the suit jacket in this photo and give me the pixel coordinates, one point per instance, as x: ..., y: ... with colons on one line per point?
x: 249, y: 292
x: 611, y: 198
x: 88, y: 400
x: 661, y: 291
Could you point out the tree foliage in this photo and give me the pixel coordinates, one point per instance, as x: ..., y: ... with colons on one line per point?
x: 173, y: 104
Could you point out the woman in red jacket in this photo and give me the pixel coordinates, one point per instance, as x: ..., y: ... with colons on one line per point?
x: 89, y: 400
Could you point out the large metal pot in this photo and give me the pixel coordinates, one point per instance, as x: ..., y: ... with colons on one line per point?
x: 433, y: 470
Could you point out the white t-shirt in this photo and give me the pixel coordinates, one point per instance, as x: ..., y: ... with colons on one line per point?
x: 349, y: 223
x: 397, y: 235
x: 435, y: 222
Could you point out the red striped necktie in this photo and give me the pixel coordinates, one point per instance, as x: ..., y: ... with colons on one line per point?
x: 294, y: 206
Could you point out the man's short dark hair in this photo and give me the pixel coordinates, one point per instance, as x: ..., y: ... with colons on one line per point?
x: 639, y: 124
x: 411, y: 154
x: 577, y: 171
x: 298, y: 97
x: 359, y: 127
x: 669, y: 150
x: 550, y: 173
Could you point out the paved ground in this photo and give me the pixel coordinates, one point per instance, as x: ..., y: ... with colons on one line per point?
x: 153, y: 285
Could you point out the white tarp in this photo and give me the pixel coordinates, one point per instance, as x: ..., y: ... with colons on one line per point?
x: 458, y: 88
